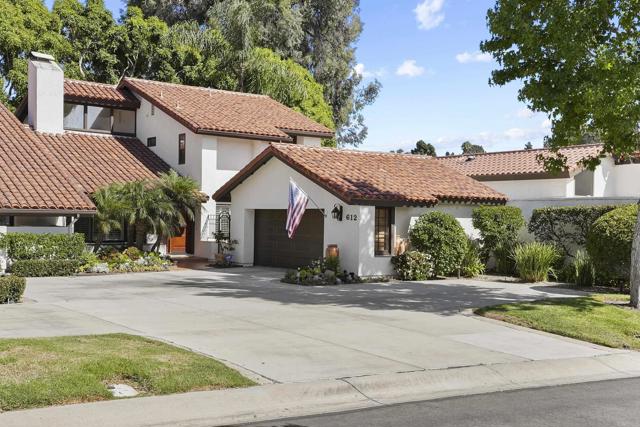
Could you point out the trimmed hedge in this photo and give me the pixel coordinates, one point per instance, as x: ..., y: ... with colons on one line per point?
x: 45, y: 267
x: 499, y: 227
x: 440, y: 236
x: 609, y: 244
x: 11, y: 288
x: 29, y: 246
x: 566, y: 227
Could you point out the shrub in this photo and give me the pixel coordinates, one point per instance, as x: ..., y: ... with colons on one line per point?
x: 441, y: 236
x: 45, y: 267
x: 609, y: 244
x: 133, y: 253
x: 413, y: 265
x: 88, y: 261
x: 499, y: 227
x: 472, y: 265
x: 535, y: 261
x: 28, y: 246
x: 583, y: 272
x: 332, y: 263
x: 11, y: 288
x: 566, y: 227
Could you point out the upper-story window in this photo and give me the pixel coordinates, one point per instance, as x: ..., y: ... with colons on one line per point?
x: 93, y: 118
x: 182, y: 148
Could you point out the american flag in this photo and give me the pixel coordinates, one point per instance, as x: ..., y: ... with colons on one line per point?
x: 298, y: 201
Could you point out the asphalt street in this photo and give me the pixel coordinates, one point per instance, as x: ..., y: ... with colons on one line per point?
x: 607, y: 403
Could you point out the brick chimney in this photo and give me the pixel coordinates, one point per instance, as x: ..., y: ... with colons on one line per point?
x: 45, y: 93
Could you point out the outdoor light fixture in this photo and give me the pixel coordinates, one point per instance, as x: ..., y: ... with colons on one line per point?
x: 336, y: 213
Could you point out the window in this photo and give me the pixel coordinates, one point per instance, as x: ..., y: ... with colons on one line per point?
x: 151, y: 142
x: 6, y: 220
x: 382, y: 232
x: 182, y: 147
x: 98, y: 118
x: 153, y: 110
x: 73, y: 116
x: 124, y: 121
x: 87, y: 226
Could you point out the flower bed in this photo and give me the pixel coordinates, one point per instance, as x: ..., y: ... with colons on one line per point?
x: 131, y: 260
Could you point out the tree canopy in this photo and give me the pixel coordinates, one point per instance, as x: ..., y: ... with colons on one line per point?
x: 301, y: 53
x: 424, y: 148
x: 468, y: 148
x: 579, y: 62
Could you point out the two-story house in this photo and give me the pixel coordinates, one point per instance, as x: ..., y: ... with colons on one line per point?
x: 78, y: 136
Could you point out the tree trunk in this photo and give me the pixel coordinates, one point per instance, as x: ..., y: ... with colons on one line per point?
x: 635, y: 266
x: 97, y: 244
x: 141, y: 235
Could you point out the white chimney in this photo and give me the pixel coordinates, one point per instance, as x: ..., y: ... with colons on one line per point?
x: 46, y: 93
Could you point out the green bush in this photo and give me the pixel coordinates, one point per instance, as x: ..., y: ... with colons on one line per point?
x: 133, y: 253
x: 609, y: 244
x: 332, y: 263
x: 472, y: 264
x: 11, y: 288
x: 566, y: 227
x: 499, y: 227
x: 535, y: 261
x: 29, y: 246
x: 45, y: 267
x: 440, y: 236
x: 413, y: 265
x: 583, y: 271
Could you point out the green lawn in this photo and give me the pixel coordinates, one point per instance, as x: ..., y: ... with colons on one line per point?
x: 51, y: 371
x: 589, y: 318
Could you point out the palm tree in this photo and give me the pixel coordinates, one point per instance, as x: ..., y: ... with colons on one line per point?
x: 110, y: 214
x: 185, y: 197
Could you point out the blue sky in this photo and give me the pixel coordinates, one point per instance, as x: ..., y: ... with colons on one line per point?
x: 435, y: 82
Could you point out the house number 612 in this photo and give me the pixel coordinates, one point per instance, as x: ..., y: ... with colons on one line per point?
x: 351, y: 217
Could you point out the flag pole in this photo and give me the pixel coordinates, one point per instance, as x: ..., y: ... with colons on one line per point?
x: 312, y: 201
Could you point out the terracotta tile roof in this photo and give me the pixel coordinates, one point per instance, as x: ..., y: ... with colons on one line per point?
x: 57, y: 172
x: 99, y: 94
x: 221, y: 112
x: 520, y: 164
x: 372, y: 178
x: 31, y: 177
x: 99, y: 160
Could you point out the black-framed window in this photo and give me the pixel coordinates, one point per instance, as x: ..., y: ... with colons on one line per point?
x: 151, y: 142
x: 94, y: 118
x: 87, y: 226
x: 182, y: 148
x: 6, y: 220
x: 384, y: 218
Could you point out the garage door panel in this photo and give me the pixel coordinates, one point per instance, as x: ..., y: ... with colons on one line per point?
x: 272, y: 246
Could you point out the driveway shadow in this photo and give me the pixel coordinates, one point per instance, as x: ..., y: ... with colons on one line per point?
x: 447, y: 298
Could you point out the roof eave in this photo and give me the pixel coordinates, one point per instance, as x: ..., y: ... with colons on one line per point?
x: 60, y: 212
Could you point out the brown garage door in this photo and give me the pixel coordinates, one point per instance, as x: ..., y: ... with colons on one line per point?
x: 273, y: 248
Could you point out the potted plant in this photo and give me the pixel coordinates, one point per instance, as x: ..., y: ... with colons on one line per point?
x: 225, y: 245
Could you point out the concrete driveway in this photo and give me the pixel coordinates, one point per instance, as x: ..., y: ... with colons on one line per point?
x: 285, y: 333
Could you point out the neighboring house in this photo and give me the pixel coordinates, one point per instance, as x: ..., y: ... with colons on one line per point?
x: 81, y: 136
x: 364, y: 202
x: 519, y: 175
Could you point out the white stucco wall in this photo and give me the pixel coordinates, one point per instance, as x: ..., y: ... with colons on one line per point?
x: 534, y: 188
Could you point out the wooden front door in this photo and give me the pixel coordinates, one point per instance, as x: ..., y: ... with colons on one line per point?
x: 178, y: 244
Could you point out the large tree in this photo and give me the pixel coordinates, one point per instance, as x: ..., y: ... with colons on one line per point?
x: 424, y: 148
x: 468, y: 148
x: 320, y: 35
x: 579, y: 62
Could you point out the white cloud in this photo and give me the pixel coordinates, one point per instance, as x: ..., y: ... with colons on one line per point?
x: 516, y: 133
x: 546, y: 124
x: 525, y: 113
x: 410, y: 68
x: 361, y: 70
x: 429, y: 14
x: 467, y: 57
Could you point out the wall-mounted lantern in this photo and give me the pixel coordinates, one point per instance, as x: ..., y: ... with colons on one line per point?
x: 336, y: 213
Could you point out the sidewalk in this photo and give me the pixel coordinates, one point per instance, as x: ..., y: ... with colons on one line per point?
x: 224, y: 407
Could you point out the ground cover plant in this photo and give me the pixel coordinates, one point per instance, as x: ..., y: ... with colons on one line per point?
x: 603, y: 319
x: 37, y: 372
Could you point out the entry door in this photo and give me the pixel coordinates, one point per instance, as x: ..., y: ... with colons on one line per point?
x: 272, y: 246
x: 178, y: 244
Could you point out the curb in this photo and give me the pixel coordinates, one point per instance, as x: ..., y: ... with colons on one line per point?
x: 272, y: 401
